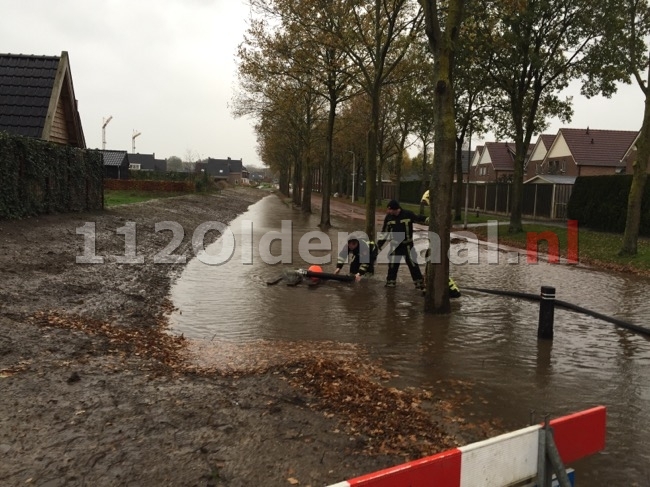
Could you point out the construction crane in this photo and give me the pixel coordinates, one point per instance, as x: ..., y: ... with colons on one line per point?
x: 135, y: 134
x: 104, y: 124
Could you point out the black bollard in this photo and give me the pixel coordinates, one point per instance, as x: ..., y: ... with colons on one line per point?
x: 546, y: 313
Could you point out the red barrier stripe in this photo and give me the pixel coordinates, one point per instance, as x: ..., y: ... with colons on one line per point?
x: 443, y: 469
x: 581, y: 434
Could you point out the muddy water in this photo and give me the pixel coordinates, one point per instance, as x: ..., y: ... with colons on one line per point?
x: 488, y: 341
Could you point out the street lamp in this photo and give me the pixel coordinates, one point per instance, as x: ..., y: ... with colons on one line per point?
x: 469, y: 171
x: 104, y: 124
x: 354, y: 171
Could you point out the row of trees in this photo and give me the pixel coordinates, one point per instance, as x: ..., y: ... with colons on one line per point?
x: 328, y: 78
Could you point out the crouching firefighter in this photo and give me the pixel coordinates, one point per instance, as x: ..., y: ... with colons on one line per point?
x: 361, y: 253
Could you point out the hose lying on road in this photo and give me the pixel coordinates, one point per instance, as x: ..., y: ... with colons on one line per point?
x: 566, y: 305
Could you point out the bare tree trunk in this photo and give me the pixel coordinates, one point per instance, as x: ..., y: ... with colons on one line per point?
x: 307, y: 186
x: 516, y: 202
x: 371, y: 167
x: 425, y: 156
x: 441, y: 44
x: 459, y: 180
x: 325, y: 223
x: 639, y: 178
x: 296, y: 195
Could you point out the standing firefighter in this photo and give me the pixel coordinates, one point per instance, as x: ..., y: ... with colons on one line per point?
x: 361, y: 253
x: 398, y: 229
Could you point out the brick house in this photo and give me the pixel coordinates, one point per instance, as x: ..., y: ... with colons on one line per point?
x: 588, y: 152
x: 146, y: 162
x: 230, y: 170
x: 533, y: 164
x: 496, y: 163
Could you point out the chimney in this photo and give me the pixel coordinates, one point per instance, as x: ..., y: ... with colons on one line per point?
x: 588, y: 130
x: 592, y: 141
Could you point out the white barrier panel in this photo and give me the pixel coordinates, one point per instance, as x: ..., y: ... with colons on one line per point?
x: 496, y: 462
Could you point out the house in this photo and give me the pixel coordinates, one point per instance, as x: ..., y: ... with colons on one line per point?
x: 116, y: 164
x: 37, y: 99
x: 146, y: 162
x: 630, y: 157
x: 476, y: 156
x: 230, y: 170
x: 533, y: 164
x: 588, y: 152
x: 465, y: 157
x: 497, y: 162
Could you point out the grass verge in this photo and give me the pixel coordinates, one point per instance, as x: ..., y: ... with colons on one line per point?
x: 599, y: 249
x: 114, y: 197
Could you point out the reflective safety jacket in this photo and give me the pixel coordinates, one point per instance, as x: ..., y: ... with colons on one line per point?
x: 362, y: 259
x: 399, y: 226
x: 454, y: 292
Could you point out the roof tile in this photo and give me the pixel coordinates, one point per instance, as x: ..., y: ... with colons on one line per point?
x: 25, y: 87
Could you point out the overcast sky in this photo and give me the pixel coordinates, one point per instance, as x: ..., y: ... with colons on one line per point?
x: 166, y: 68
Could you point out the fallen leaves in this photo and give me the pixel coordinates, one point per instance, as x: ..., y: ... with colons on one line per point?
x: 340, y: 381
x: 150, y: 342
x: 14, y: 369
x: 385, y: 419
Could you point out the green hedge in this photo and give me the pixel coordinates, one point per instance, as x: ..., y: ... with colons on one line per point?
x: 600, y: 203
x: 409, y: 191
x: 39, y: 177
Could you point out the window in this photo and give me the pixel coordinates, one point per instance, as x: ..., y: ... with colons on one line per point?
x: 135, y: 167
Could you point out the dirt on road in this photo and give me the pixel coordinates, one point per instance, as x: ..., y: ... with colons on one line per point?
x: 94, y: 392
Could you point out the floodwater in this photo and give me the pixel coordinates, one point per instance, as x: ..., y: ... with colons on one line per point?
x: 488, y: 341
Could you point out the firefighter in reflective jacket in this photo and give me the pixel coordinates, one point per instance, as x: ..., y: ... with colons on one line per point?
x: 361, y: 253
x: 398, y: 224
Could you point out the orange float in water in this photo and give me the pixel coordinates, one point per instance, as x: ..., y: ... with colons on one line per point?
x: 315, y: 268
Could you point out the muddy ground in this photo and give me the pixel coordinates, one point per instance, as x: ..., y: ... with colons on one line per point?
x: 94, y: 392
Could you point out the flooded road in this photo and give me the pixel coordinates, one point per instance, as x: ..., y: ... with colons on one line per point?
x: 488, y: 341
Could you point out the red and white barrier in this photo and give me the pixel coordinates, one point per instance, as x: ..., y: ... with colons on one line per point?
x: 496, y: 462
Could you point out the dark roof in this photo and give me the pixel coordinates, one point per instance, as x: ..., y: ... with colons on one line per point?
x: 551, y: 179
x: 547, y: 139
x: 148, y: 161
x: 26, y: 84
x: 114, y: 157
x: 221, y: 167
x: 591, y: 147
x: 37, y: 98
x: 501, y: 155
x: 141, y: 158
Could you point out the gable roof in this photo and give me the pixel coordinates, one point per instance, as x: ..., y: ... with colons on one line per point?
x: 478, y: 152
x: 141, y: 158
x: 221, y: 167
x: 598, y: 147
x: 114, y: 157
x: 547, y: 139
x: 551, y: 179
x: 540, y: 149
x: 147, y: 161
x: 501, y: 155
x: 37, y: 98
